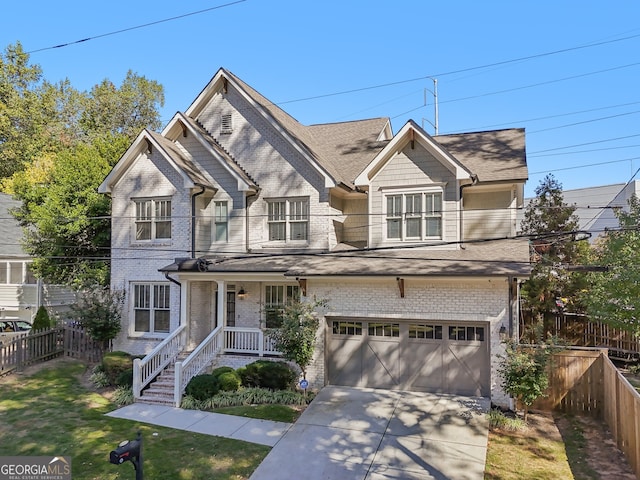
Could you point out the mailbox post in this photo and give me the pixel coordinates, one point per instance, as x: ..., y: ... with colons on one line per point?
x: 129, y: 450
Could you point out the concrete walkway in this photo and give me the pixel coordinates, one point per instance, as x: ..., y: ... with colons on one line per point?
x: 352, y: 434
x: 264, y: 432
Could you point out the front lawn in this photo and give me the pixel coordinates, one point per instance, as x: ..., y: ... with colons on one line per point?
x: 51, y: 413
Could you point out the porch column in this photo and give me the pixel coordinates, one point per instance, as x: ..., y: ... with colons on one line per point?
x: 221, y: 314
x: 184, y: 303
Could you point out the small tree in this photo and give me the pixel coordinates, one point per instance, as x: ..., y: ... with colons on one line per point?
x: 296, y: 337
x: 524, y: 370
x: 42, y: 321
x: 99, y: 310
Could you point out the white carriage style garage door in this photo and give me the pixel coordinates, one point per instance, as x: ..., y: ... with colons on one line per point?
x: 429, y: 356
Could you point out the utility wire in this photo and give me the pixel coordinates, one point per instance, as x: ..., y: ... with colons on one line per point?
x: 94, y: 37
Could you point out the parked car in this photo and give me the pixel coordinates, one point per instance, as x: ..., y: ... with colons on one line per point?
x: 11, y: 329
x: 12, y: 326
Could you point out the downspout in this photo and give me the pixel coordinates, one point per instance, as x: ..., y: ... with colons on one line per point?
x: 246, y: 221
x: 173, y: 280
x: 193, y: 220
x: 474, y: 181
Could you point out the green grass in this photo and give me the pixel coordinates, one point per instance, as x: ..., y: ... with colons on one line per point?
x: 278, y: 413
x: 51, y: 413
x: 531, y: 453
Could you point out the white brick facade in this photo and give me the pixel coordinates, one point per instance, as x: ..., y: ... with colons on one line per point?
x: 253, y: 158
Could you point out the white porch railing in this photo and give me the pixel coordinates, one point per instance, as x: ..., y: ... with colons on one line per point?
x: 248, y: 340
x: 197, y: 361
x: 146, y: 369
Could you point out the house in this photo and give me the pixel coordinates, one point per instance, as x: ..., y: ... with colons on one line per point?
x: 21, y: 293
x: 235, y: 208
x: 596, y: 206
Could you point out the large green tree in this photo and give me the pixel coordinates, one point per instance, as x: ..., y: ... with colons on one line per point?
x: 551, y: 224
x: 613, y: 296
x: 21, y: 114
x: 66, y: 220
x: 56, y: 146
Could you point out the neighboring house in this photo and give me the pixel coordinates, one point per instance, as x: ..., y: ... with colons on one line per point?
x: 595, y: 206
x: 236, y: 209
x: 20, y: 292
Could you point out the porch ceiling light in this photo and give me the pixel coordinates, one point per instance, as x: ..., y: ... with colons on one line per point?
x: 242, y: 293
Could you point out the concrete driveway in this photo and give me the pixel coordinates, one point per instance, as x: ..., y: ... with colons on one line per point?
x: 357, y: 434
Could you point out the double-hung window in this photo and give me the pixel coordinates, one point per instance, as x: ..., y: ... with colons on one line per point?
x: 151, y: 307
x: 414, y: 216
x: 276, y: 298
x: 153, y: 219
x: 288, y: 219
x: 221, y: 219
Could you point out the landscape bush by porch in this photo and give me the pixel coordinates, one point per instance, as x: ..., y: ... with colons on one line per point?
x: 202, y: 387
x: 266, y: 374
x: 115, y: 363
x: 229, y: 381
x: 247, y: 396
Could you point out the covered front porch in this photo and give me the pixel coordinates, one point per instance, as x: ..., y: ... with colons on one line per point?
x: 218, y: 316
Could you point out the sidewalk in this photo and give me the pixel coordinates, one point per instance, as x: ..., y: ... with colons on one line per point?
x: 264, y: 432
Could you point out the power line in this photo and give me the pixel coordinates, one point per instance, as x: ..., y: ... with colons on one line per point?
x: 94, y: 37
x: 462, y: 70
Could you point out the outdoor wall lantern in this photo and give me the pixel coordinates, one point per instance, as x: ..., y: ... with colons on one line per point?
x: 242, y: 293
x: 503, y: 333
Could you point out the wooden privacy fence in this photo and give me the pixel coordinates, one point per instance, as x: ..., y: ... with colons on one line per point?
x: 578, y: 330
x: 584, y: 381
x: 44, y: 345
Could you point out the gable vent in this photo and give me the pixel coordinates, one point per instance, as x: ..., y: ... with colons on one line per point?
x: 225, y: 123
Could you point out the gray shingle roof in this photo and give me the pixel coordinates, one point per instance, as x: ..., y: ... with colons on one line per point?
x: 10, y: 228
x: 496, y: 155
x: 186, y: 165
x: 494, y: 258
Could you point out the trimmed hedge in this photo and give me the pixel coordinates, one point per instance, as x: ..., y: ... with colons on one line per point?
x: 229, y: 381
x: 266, y: 374
x: 115, y: 363
x: 202, y: 387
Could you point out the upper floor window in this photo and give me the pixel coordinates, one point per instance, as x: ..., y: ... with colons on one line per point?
x: 151, y: 308
x: 288, y: 219
x: 221, y: 219
x: 153, y: 219
x: 16, y: 273
x: 414, y: 216
x: 276, y: 297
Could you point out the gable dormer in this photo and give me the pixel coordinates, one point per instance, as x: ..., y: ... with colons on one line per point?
x: 413, y: 187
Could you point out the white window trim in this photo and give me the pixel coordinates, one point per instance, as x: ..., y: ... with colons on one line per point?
x: 215, y: 222
x: 288, y: 221
x: 132, y: 311
x: 411, y: 191
x: 153, y: 220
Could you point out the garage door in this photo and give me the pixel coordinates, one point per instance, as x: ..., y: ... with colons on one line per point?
x: 445, y: 357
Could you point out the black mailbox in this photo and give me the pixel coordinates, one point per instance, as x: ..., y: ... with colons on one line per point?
x: 127, y: 450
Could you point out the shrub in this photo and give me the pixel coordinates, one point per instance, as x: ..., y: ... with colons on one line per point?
x: 123, y: 396
x: 125, y: 379
x: 99, y: 378
x: 634, y: 369
x: 266, y: 374
x: 202, y: 387
x: 229, y: 381
x: 114, y: 363
x: 220, y: 370
x: 42, y: 321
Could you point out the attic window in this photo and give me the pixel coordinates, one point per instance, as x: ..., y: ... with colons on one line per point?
x: 225, y: 123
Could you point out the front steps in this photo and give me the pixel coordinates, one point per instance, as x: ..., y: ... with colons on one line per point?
x: 160, y: 391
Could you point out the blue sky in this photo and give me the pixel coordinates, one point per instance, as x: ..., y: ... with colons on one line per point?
x: 565, y: 71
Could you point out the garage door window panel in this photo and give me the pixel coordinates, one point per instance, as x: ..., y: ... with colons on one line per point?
x: 384, y: 329
x: 427, y: 332
x: 466, y: 334
x: 346, y: 328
